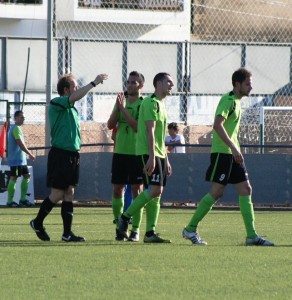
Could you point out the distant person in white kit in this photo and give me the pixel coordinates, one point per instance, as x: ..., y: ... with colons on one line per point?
x: 174, y: 140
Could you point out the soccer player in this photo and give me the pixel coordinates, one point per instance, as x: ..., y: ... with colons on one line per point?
x: 227, y: 163
x: 124, y: 117
x: 17, y: 152
x: 63, y: 157
x: 152, y: 161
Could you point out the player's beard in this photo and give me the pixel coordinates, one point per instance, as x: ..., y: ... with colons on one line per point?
x: 244, y: 93
x: 133, y: 94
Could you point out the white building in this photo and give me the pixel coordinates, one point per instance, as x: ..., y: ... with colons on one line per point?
x: 89, y: 36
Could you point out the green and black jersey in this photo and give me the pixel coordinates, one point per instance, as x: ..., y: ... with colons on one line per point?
x: 229, y: 108
x: 126, y: 136
x: 152, y: 109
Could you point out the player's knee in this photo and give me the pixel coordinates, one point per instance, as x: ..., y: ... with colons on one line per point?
x: 155, y: 192
x: 217, y: 192
x: 248, y: 189
x: 26, y: 176
x: 118, y: 191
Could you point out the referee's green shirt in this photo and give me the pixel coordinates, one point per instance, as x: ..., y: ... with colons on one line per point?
x: 64, y: 124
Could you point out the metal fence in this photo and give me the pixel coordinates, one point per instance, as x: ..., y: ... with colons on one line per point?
x: 221, y: 36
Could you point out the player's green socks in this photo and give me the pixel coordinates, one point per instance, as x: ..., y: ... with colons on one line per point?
x: 203, y: 208
x: 23, y: 188
x: 117, y: 205
x: 140, y: 201
x: 247, y: 212
x: 136, y: 220
x: 152, y: 213
x: 11, y: 190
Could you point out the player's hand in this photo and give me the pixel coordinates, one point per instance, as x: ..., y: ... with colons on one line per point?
x: 150, y: 166
x: 121, y: 100
x: 237, y: 156
x: 32, y: 157
x: 168, y: 169
x: 100, y: 78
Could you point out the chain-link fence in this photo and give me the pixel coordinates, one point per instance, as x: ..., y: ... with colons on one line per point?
x: 199, y: 42
x: 95, y: 136
x: 224, y: 35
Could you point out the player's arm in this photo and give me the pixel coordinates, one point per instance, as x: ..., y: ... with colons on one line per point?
x: 177, y: 142
x: 130, y: 120
x: 113, y: 119
x: 168, y: 166
x: 121, y: 102
x: 150, y: 165
x: 80, y: 93
x: 24, y: 148
x: 167, y: 144
x: 219, y: 128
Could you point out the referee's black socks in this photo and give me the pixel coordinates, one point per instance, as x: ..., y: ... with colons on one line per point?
x: 45, y: 209
x: 67, y: 216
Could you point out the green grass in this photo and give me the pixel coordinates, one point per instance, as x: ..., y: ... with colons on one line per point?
x: 102, y: 268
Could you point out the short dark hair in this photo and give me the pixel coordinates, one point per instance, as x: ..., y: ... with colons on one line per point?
x: 18, y: 113
x: 64, y: 82
x: 140, y: 75
x: 159, y: 77
x: 240, y: 75
x: 173, y: 125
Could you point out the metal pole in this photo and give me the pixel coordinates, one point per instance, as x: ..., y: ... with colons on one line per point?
x: 49, y: 68
x: 262, y: 129
x: 186, y: 84
x: 25, y: 81
x: 125, y: 65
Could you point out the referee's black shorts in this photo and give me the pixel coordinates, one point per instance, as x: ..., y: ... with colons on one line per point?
x: 223, y: 169
x: 63, y: 168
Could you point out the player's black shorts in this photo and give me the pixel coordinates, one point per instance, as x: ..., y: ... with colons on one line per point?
x: 63, y: 168
x: 223, y: 169
x: 158, y: 177
x: 124, y: 169
x: 19, y: 171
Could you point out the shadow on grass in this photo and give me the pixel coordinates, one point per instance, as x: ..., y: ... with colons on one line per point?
x: 110, y: 243
x: 30, y: 243
x: 30, y: 211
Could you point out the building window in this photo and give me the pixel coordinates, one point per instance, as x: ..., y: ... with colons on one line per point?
x: 22, y: 1
x: 134, y: 4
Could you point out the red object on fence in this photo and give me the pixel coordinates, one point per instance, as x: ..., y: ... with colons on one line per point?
x: 3, y: 140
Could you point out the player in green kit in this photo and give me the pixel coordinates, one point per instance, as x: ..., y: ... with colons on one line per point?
x: 227, y: 163
x: 17, y: 152
x: 125, y: 117
x: 152, y: 161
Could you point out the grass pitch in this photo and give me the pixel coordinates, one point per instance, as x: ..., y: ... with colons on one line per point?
x: 102, y: 268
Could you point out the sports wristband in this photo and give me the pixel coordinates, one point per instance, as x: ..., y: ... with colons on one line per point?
x: 93, y: 84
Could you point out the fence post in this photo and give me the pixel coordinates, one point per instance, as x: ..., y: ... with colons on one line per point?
x: 49, y: 68
x: 262, y: 129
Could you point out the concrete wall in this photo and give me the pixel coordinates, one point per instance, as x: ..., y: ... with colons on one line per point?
x: 270, y: 175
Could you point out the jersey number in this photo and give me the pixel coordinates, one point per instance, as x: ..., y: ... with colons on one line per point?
x: 155, y: 178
